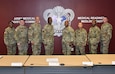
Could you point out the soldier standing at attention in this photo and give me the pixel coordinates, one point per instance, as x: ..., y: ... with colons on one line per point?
x: 93, y: 37
x: 35, y: 36
x: 106, y: 35
x: 9, y: 39
x: 68, y: 36
x: 48, y: 37
x: 80, y: 39
x: 21, y: 37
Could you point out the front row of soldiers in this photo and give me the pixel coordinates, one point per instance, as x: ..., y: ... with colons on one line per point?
x: 21, y: 36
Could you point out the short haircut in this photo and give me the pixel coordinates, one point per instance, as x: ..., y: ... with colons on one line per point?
x: 22, y: 19
x: 10, y: 22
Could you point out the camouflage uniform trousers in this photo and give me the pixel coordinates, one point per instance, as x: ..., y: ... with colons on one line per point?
x: 66, y: 48
x: 22, y: 48
x: 80, y: 50
x: 49, y: 48
x: 104, y: 45
x: 11, y: 49
x: 93, y: 48
x: 36, y: 49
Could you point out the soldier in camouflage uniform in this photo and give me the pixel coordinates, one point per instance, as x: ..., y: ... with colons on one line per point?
x: 68, y: 36
x: 106, y: 35
x: 93, y: 37
x: 21, y: 37
x: 80, y: 39
x: 35, y: 36
x: 48, y: 37
x: 9, y: 39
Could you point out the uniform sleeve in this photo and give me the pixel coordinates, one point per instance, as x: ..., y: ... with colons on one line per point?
x: 89, y: 35
x: 40, y: 33
x: 16, y: 36
x: 30, y: 33
x: 98, y: 34
x: 27, y: 34
x: 72, y: 34
x: 6, y: 41
x: 43, y: 34
x: 109, y: 31
x: 75, y: 41
x: 63, y: 40
x: 52, y: 34
x: 85, y: 36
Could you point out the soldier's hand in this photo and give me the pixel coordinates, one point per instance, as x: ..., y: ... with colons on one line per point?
x: 29, y: 42
x: 18, y: 44
x: 43, y: 30
x: 71, y: 44
x: 87, y: 43
x: 32, y: 43
x: 45, y: 44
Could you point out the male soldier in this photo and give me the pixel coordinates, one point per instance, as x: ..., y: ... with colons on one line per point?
x: 93, y: 37
x: 106, y: 35
x: 21, y: 37
x: 67, y: 38
x: 48, y: 37
x: 80, y: 39
x: 9, y: 39
x: 34, y: 35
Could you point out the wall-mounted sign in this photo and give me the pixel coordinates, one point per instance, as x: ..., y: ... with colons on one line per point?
x: 27, y: 19
x: 59, y: 16
x: 86, y: 19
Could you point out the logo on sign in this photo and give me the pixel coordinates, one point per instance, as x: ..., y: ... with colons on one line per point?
x: 59, y: 16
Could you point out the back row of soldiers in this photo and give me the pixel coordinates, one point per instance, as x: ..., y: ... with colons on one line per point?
x: 21, y: 36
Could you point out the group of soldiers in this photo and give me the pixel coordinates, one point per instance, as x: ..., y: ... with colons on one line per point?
x: 35, y: 35
x: 22, y: 36
x: 80, y: 38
